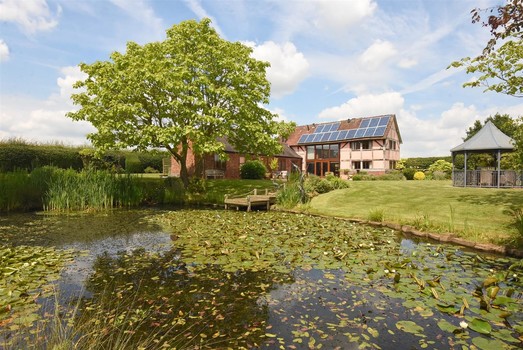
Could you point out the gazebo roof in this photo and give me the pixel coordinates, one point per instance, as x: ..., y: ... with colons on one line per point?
x: 487, y: 139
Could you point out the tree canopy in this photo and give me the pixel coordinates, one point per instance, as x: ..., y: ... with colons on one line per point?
x: 501, y: 63
x: 502, y: 121
x: 180, y: 94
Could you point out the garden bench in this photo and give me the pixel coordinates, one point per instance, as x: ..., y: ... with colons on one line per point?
x: 214, y: 174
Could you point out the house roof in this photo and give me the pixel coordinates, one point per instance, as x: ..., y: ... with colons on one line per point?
x: 488, y: 138
x: 287, y: 151
x: 374, y: 127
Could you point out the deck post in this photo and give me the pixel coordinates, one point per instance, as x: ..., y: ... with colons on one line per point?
x: 249, y: 203
x: 255, y: 191
x: 225, y: 201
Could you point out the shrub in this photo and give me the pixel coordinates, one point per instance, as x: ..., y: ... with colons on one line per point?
x: 253, y: 169
x: 440, y: 175
x: 409, y: 173
x: 419, y: 175
x: 441, y: 165
x: 150, y: 170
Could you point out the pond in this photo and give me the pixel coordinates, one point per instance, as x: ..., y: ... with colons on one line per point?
x: 225, y: 279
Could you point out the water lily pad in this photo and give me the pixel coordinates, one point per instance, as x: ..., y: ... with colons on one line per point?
x: 410, y: 327
x: 480, y: 326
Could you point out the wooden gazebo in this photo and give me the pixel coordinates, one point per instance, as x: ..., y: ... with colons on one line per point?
x: 488, y: 140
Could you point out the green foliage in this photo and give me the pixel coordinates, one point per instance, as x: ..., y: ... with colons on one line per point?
x: 419, y: 175
x: 18, y: 154
x: 252, y: 169
x: 376, y: 215
x: 151, y: 170
x: 409, y: 173
x: 394, y: 175
x: 440, y: 175
x: 187, y: 91
x: 500, y: 62
x: 501, y: 70
x: 315, y: 185
x: 439, y: 168
x: 289, y: 196
x: 422, y: 163
x: 132, y: 164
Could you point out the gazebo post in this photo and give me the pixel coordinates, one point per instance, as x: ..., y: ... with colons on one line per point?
x: 465, y: 170
x: 499, y: 167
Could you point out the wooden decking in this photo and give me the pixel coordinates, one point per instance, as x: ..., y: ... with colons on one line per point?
x: 250, y: 200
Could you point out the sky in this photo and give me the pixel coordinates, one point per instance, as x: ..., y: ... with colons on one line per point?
x: 330, y: 60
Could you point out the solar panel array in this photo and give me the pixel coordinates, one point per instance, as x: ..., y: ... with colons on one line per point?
x: 369, y: 127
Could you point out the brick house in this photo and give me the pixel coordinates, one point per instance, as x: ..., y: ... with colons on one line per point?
x: 370, y: 144
x: 211, y: 166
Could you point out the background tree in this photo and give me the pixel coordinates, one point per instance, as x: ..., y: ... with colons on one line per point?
x: 503, y: 122
x: 180, y: 94
x: 501, y: 65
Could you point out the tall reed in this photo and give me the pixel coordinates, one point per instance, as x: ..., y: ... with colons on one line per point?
x: 91, y: 190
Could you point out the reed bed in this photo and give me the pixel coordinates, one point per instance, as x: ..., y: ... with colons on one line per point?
x: 91, y: 190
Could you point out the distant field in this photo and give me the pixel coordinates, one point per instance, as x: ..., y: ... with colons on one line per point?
x: 478, y: 214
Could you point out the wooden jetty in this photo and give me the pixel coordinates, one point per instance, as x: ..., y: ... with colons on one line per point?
x: 252, y: 199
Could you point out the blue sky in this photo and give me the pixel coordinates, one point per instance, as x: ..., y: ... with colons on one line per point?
x: 330, y: 60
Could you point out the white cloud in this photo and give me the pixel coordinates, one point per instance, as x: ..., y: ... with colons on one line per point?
x: 197, y: 8
x: 320, y: 17
x: 365, y: 105
x: 288, y: 69
x: 342, y: 14
x: 30, y: 15
x: 4, y: 51
x: 141, y: 11
x: 71, y: 76
x: 377, y: 54
x: 45, y: 120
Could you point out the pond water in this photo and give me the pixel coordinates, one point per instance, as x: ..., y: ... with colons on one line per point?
x: 226, y: 279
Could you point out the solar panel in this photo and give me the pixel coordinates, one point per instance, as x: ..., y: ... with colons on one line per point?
x: 334, y: 136
x: 380, y: 131
x: 335, y: 126
x: 374, y: 122
x: 326, y: 136
x: 303, y: 138
x: 384, y: 121
x: 343, y: 135
x: 364, y: 123
x: 351, y: 133
x: 317, y: 138
x: 370, y: 132
x: 359, y: 133
x: 319, y: 129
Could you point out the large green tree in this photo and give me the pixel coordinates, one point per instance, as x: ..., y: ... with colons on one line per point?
x: 180, y: 94
x: 500, y: 66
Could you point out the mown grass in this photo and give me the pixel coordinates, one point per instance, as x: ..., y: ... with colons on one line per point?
x: 478, y: 214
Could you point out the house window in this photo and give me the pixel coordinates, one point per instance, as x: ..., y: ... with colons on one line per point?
x: 392, y: 144
x: 219, y: 163
x: 310, y: 152
x: 357, y: 145
x: 362, y: 165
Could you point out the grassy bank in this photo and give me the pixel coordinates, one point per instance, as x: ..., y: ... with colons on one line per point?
x: 478, y: 214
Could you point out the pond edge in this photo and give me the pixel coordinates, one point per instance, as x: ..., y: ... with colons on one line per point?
x: 440, y: 237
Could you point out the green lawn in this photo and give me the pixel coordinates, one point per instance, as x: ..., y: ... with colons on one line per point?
x: 479, y: 214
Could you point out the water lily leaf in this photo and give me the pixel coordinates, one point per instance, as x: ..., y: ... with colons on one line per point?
x: 409, y: 327
x: 480, y: 326
x: 446, y: 326
x: 488, y: 344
